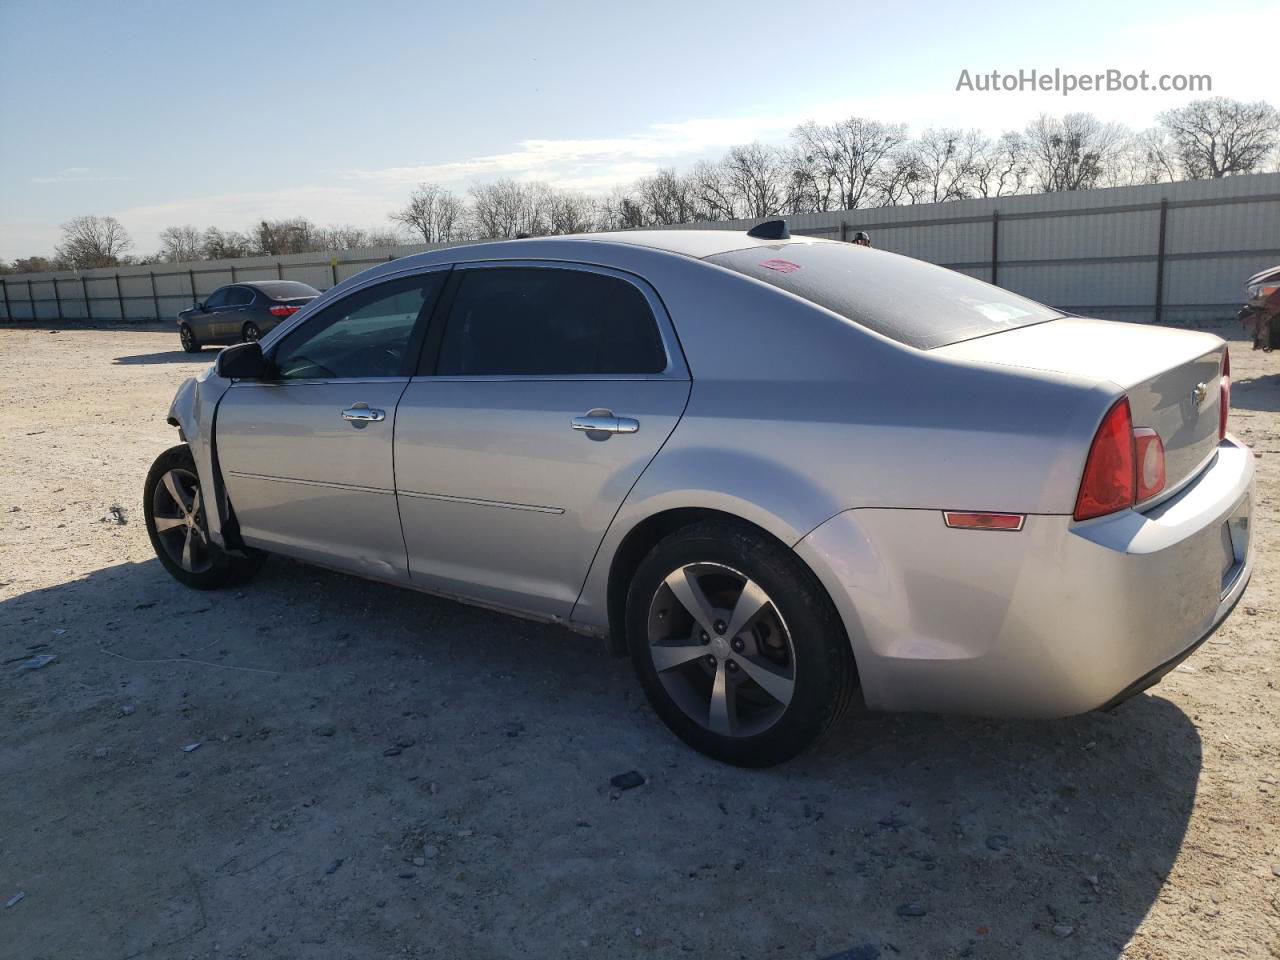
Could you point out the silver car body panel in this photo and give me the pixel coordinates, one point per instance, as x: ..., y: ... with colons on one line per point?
x: 840, y: 442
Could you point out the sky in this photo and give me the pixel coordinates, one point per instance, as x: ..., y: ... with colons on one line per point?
x: 163, y: 114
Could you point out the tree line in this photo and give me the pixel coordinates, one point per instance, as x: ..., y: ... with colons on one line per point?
x: 849, y: 164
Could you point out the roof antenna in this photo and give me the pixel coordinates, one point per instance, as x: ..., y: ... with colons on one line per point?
x: 770, y: 230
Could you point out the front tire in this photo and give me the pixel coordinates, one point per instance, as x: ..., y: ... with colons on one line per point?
x: 737, y: 645
x: 188, y: 338
x: 177, y: 522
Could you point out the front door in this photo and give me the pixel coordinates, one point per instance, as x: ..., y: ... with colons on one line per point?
x: 307, y: 454
x: 538, y: 406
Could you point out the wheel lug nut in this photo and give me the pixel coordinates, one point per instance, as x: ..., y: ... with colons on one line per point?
x: 711, y: 661
x: 705, y: 638
x: 721, y: 626
x: 732, y: 665
x: 737, y: 644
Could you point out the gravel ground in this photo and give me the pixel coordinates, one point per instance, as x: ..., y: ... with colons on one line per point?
x: 383, y: 774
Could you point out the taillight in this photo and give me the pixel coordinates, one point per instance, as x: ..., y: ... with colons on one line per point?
x: 1224, y: 395
x: 1110, y: 479
x: 1148, y: 451
x: 283, y: 311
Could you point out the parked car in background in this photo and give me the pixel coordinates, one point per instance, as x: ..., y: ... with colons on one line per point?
x: 780, y: 474
x: 1260, y: 314
x: 242, y: 312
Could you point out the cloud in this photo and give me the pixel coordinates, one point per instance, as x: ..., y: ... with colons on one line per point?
x: 78, y: 175
x: 239, y: 211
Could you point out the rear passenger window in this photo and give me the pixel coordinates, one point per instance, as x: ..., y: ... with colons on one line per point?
x: 535, y: 321
x: 240, y: 297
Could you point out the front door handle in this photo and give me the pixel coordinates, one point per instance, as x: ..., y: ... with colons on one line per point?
x: 600, y: 424
x: 362, y: 413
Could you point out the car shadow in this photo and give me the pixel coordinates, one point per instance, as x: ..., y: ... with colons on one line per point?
x: 173, y: 356
x: 1256, y: 393
x: 369, y: 753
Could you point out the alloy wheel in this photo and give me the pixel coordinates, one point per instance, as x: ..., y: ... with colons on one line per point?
x: 251, y: 332
x: 721, y: 649
x: 186, y: 337
x: 178, y: 513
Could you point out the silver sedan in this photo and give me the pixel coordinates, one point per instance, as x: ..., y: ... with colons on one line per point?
x: 781, y: 474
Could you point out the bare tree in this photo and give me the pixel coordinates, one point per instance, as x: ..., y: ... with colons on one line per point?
x: 342, y: 237
x: 1219, y: 137
x: 757, y: 175
x: 1000, y: 167
x: 31, y: 265
x: 1072, y: 152
x: 224, y: 244
x: 278, y: 237
x: 93, y: 242
x: 714, y: 190
x: 384, y: 238
x: 944, y: 160
x: 841, y: 163
x: 181, y: 244
x: 569, y: 212
x: 433, y: 213
x: 668, y: 197
x: 900, y: 177
x: 499, y: 209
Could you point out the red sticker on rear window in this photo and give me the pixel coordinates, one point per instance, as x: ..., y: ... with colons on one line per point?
x: 782, y: 266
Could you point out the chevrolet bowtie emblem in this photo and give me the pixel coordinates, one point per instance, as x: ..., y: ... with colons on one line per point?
x: 1198, y: 394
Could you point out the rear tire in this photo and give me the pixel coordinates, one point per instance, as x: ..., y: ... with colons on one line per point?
x: 177, y: 523
x: 188, y: 337
x: 251, y: 333
x: 750, y: 689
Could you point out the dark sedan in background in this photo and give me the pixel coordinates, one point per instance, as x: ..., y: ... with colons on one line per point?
x: 241, y: 312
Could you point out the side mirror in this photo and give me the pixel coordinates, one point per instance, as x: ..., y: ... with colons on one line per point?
x: 244, y: 361
x: 201, y: 307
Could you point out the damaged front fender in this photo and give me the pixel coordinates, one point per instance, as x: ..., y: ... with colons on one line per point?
x: 192, y: 412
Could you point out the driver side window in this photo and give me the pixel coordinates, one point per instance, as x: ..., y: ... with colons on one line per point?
x: 216, y: 299
x: 364, y: 335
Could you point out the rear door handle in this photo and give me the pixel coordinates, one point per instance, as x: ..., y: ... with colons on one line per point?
x: 362, y: 413
x: 603, y: 421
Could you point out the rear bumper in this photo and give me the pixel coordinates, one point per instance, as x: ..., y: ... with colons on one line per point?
x: 1059, y: 618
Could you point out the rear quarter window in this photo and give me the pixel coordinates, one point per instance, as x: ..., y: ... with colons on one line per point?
x: 910, y: 301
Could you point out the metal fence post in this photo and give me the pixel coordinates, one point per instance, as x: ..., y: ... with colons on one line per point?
x: 1164, y: 217
x: 233, y: 273
x: 844, y: 232
x: 333, y: 272
x: 57, y: 295
x: 119, y: 296
x: 8, y: 311
x: 155, y: 299
x: 279, y: 271
x: 31, y: 299
x: 995, y: 245
x: 84, y: 290
x: 191, y: 275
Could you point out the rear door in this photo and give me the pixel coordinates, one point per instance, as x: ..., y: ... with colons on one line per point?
x: 307, y: 454
x: 541, y: 399
x: 232, y: 317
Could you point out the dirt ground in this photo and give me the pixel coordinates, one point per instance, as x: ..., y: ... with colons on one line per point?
x: 382, y: 774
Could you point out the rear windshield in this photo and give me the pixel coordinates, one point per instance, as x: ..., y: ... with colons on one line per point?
x: 286, y: 289
x: 913, y: 302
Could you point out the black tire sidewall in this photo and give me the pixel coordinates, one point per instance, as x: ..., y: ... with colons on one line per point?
x: 823, y: 660
x: 224, y: 568
x: 190, y: 344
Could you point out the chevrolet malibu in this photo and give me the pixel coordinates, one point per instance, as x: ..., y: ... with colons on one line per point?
x: 780, y: 474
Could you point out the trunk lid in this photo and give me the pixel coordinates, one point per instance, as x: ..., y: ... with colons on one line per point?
x: 1172, y: 377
